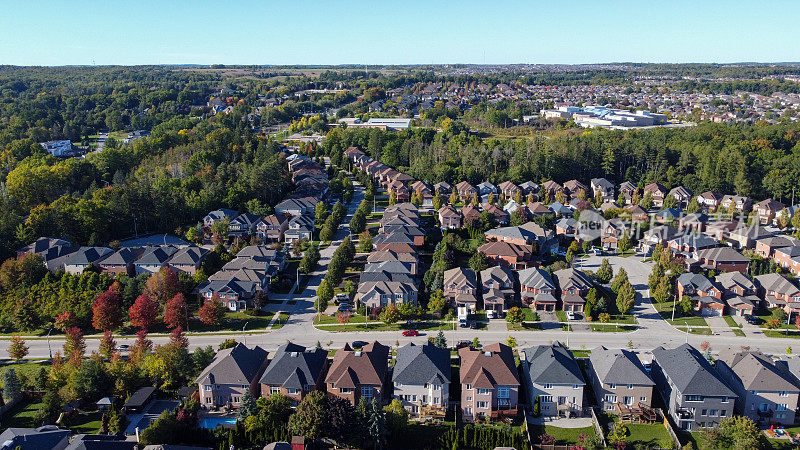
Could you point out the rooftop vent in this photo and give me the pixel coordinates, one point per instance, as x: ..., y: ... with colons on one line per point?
x: 357, y: 353
x: 487, y: 353
x: 294, y: 354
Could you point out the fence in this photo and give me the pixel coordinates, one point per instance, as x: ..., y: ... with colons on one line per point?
x: 597, y: 428
x: 668, y: 425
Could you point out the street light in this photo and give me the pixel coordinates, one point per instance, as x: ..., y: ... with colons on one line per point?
x: 49, y: 350
x: 243, y: 334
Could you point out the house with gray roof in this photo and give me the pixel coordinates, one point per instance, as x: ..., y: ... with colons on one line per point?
x: 84, y: 258
x: 243, y: 224
x: 537, y: 289
x: 188, y: 259
x: 602, y: 186
x: 235, y: 295
x: 121, y: 261
x: 42, y: 244
x: 767, y: 393
x: 695, y: 394
x: 497, y: 285
x: 395, y: 266
x: 294, y: 371
x: 619, y: 381
x: 554, y: 379
x: 218, y: 215
x: 46, y: 437
x: 386, y: 292
x: 421, y: 379
x: 230, y: 374
x: 154, y: 259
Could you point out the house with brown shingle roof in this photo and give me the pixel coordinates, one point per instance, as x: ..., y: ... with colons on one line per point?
x: 489, y: 382
x: 361, y: 373
x: 507, y: 254
x: 574, y: 187
x: 657, y: 192
x: 466, y: 191
x: 500, y: 216
x: 449, y: 218
x: 767, y: 210
x: 461, y: 287
x: 508, y: 189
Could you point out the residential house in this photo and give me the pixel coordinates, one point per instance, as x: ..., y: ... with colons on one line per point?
x: 767, y: 393
x: 529, y: 187
x: 498, y: 288
x: 509, y: 190
x: 423, y: 191
x: 739, y: 292
x: 627, y: 190
x: 659, y: 234
x: 154, y: 259
x: 443, y: 188
x: 573, y: 285
x: 449, y: 217
x: 386, y: 292
x: 710, y: 200
x: 657, y: 193
x: 706, y: 297
x: 235, y: 295
x: 294, y: 372
x: 620, y: 383
x: 693, y: 223
x: 299, y: 227
x: 554, y: 379
x: 777, y: 291
x: 691, y: 243
x: 766, y: 247
x: 296, y: 206
x: 415, y: 233
x: 537, y: 289
x: 538, y: 209
x: 485, y: 189
x: 218, y: 215
x: 668, y: 215
x: 359, y: 373
x: 421, y: 379
x: 507, y: 254
x: 637, y: 213
x: 45, y: 437
x: 500, y: 216
x: 767, y: 210
x: 383, y: 241
x: 84, y: 258
x: 682, y: 195
x: 243, y: 224
x: 574, y: 189
x: 230, y: 374
x: 612, y: 233
x: 695, y: 395
x: 411, y: 260
x: 461, y: 287
x: 567, y: 228
x: 121, y: 261
x: 736, y: 202
x: 603, y: 187
x: 42, y: 244
x: 188, y: 259
x: 788, y: 258
x: 466, y: 191
x: 489, y: 383
x: 723, y: 259
x: 745, y: 236
x: 551, y: 188
x: 470, y: 215
x: 271, y: 228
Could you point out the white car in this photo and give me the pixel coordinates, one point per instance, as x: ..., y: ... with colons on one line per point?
x: 571, y: 316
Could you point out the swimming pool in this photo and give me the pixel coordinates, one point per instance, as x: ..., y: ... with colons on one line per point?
x: 214, y: 422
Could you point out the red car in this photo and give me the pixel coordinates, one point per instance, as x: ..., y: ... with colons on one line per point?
x: 411, y: 333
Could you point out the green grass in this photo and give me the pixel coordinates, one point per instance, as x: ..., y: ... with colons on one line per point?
x: 782, y: 333
x: 562, y: 316
x: 581, y: 353
x: 21, y: 415
x: 282, y: 317
x: 380, y: 326
x: 528, y: 314
x: 27, y: 369
x: 325, y: 319
x: 693, y: 321
x: 523, y: 326
x: 738, y: 332
x: 731, y: 322
x: 606, y: 328
x: 694, y: 330
x: 88, y: 423
x: 653, y: 435
x: 561, y: 435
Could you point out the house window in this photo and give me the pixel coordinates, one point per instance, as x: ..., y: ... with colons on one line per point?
x: 483, y: 405
x: 468, y: 411
x: 611, y: 398
x: 208, y: 387
x: 783, y: 394
x: 469, y: 399
x: 548, y: 386
x: 723, y: 413
x: 725, y: 399
x: 274, y: 390
x: 630, y: 386
x: 576, y: 386
x: 713, y: 412
x: 612, y: 385
x: 609, y: 407
x: 628, y: 400
x: 292, y: 391
x: 208, y: 400
x: 694, y: 398
x: 366, y: 391
x: 782, y: 407
x: 503, y: 393
x: 235, y: 399
x: 546, y: 398
x: 469, y: 387
x: 703, y: 412
x: 346, y: 390
x: 484, y: 391
x: 642, y: 399
x: 436, y: 387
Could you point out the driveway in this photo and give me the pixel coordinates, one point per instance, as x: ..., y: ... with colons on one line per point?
x: 719, y: 326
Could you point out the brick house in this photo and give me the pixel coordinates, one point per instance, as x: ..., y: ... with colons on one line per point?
x: 294, y: 372
x: 230, y: 374
x: 489, y: 382
x: 359, y: 373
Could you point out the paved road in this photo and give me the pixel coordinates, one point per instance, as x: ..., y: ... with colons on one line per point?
x: 653, y: 331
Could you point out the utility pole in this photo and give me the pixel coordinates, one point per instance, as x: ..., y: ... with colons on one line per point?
x: 243, y: 333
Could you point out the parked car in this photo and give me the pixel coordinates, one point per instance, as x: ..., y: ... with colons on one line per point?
x: 359, y: 344
x: 490, y: 314
x: 753, y: 320
x: 473, y: 325
x: 411, y: 333
x: 572, y: 316
x: 463, y: 344
x: 341, y: 298
x: 344, y: 307
x: 124, y: 347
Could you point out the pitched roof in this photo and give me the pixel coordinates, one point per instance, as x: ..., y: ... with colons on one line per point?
x: 757, y: 371
x: 294, y: 366
x: 536, y: 278
x: 502, y: 248
x: 33, y: 438
x: 156, y: 255
x: 122, y: 256
x: 88, y: 255
x: 690, y: 372
x: 695, y: 280
x: 491, y: 366
x: 776, y: 282
x: 552, y: 364
x: 729, y: 280
x: 421, y: 364
x: 460, y: 276
x: 351, y: 368
x: 722, y: 254
x: 619, y: 366
x: 237, y: 365
x: 189, y: 255
x: 570, y: 277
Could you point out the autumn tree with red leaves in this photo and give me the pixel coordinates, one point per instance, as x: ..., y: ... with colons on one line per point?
x: 176, y: 312
x: 143, y: 312
x: 213, y: 311
x: 162, y: 285
x: 107, y: 311
x: 74, y: 343
x: 177, y: 338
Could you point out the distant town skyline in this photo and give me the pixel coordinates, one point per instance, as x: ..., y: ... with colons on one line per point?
x: 384, y: 33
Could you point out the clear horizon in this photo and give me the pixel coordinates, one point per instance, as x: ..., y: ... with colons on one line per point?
x: 248, y: 32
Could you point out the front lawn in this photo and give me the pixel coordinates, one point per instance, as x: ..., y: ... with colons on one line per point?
x: 283, y: 316
x: 606, y: 328
x: 530, y: 326
x: 88, y: 423
x: 529, y: 315
x: 28, y: 369
x: 693, y: 321
x: 731, y: 322
x: 562, y: 316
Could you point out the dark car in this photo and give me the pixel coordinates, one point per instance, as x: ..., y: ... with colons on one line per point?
x: 463, y: 343
x: 751, y: 319
x: 359, y: 344
x: 473, y: 325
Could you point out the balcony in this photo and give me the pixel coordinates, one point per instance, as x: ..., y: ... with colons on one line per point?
x: 435, y: 411
x: 684, y: 414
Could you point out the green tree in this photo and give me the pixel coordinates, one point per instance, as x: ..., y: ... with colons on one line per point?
x: 309, y: 418
x: 440, y: 341
x: 365, y: 242
x: 624, y: 243
x: 436, y: 302
x: 514, y: 315
x: 324, y: 295
x: 618, y: 433
x: 247, y: 407
x: 626, y: 298
x: 478, y: 262
x: 17, y: 348
x: 619, y: 279
x: 12, y: 388
x: 390, y: 314
x: 736, y: 432
x: 605, y: 272
x: 90, y: 380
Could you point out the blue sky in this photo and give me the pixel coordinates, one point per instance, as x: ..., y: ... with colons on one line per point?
x: 39, y: 32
